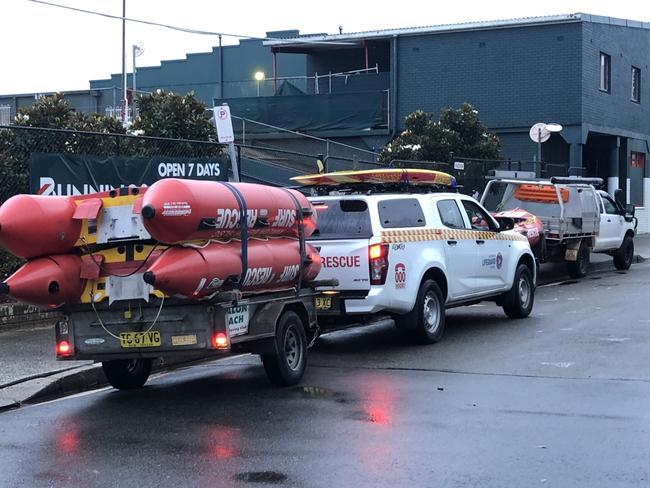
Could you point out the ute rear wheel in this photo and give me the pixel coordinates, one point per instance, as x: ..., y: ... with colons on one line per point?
x: 426, y: 321
x: 127, y: 374
x: 579, y: 267
x: 625, y: 254
x: 287, y: 364
x: 518, y: 301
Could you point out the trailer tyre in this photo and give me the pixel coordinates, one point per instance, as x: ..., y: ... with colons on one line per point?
x: 625, y: 254
x: 127, y: 374
x: 579, y: 267
x: 286, y: 366
x: 518, y: 302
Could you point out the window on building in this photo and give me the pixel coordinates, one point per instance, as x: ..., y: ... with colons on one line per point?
x: 636, y: 84
x: 636, y: 175
x: 605, y: 72
x: 5, y: 114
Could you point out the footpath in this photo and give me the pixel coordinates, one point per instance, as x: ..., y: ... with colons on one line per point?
x: 29, y: 371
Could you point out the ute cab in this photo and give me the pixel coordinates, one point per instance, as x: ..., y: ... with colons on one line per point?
x: 411, y: 251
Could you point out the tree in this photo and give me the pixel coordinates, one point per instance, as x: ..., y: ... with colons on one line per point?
x: 459, y: 132
x: 169, y: 115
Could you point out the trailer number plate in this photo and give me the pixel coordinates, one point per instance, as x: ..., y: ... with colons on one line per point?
x: 140, y: 339
x: 323, y: 303
x: 184, y: 340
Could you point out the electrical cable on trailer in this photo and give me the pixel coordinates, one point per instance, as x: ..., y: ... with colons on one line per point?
x: 139, y: 334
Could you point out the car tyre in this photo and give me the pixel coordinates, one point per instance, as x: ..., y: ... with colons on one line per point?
x: 127, y: 374
x: 518, y: 301
x: 625, y: 255
x: 426, y: 322
x: 287, y: 364
x: 579, y: 267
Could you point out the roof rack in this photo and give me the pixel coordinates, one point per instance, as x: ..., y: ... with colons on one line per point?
x: 374, y: 188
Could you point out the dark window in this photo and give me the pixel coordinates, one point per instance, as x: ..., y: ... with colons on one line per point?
x: 403, y: 212
x: 610, y: 207
x: 605, y: 72
x: 450, y: 214
x: 636, y: 84
x: 479, y: 219
x: 342, y: 219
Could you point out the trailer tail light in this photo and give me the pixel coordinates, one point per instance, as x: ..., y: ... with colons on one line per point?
x: 63, y: 348
x: 378, y: 263
x: 220, y: 340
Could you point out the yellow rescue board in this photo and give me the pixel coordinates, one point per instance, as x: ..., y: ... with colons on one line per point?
x: 378, y: 176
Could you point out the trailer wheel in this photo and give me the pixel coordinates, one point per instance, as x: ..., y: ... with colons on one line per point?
x: 625, y: 254
x: 518, y: 302
x: 286, y: 366
x: 579, y: 267
x: 127, y: 374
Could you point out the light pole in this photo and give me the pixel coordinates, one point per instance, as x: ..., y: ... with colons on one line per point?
x: 259, y: 76
x: 138, y: 49
x: 125, y: 103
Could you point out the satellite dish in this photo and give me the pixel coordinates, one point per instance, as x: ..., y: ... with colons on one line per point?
x: 553, y: 127
x: 539, y: 132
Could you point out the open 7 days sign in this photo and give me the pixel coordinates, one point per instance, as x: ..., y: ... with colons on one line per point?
x: 69, y: 174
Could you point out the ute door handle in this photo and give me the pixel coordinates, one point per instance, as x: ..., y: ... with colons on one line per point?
x: 452, y: 243
x: 480, y: 241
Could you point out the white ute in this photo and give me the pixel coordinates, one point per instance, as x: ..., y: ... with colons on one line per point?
x: 413, y: 253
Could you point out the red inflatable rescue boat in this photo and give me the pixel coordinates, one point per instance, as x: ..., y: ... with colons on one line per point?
x: 175, y: 210
x: 197, y: 272
x: 34, y: 225
x: 47, y: 282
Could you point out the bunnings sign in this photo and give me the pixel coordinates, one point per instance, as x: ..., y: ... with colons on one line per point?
x: 72, y: 174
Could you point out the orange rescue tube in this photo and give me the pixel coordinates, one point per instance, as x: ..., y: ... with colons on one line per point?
x: 195, y: 272
x: 48, y: 281
x: 175, y: 210
x: 35, y: 225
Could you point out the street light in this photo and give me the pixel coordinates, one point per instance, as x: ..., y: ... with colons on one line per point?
x: 259, y: 76
x: 138, y: 49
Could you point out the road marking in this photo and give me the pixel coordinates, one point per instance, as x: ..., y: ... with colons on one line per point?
x: 559, y: 364
x: 615, y: 339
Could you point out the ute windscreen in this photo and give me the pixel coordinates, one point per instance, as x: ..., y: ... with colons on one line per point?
x: 342, y: 219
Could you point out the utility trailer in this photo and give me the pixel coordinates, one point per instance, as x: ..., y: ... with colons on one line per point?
x: 577, y: 219
x: 129, y: 335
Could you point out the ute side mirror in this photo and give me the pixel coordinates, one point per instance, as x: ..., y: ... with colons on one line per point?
x: 628, y: 214
x: 505, y: 223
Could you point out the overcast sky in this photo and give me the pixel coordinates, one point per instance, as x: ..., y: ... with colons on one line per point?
x: 44, y: 48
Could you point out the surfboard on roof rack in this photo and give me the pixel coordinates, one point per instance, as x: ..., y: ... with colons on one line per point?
x: 405, y: 176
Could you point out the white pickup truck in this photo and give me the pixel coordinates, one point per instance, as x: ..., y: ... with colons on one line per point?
x: 577, y: 218
x: 411, y: 255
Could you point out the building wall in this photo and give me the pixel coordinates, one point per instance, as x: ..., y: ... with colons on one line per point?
x: 627, y: 46
x: 514, y: 77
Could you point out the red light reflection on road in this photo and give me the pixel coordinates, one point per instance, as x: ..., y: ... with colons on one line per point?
x: 67, y: 440
x: 222, y: 442
x: 380, y: 401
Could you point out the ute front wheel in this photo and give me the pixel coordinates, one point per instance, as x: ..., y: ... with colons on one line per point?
x: 518, y: 302
x: 127, y: 374
x: 625, y: 254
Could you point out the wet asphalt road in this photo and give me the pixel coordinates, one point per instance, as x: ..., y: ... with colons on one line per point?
x: 560, y: 399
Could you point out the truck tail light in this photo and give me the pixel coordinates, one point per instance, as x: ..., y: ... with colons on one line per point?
x: 378, y: 263
x: 63, y: 348
x: 220, y: 340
